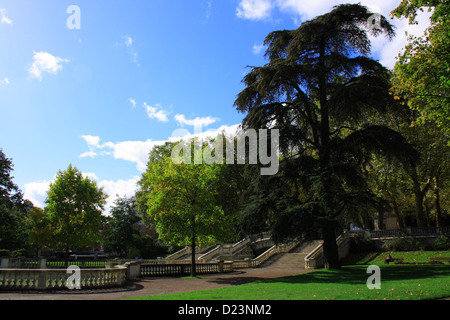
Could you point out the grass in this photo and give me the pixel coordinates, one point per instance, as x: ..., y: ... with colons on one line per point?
x: 398, y: 282
x: 377, y: 258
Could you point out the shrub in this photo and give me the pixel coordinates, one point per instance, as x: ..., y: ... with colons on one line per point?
x: 442, y: 243
x: 361, y: 244
x: 401, y: 244
x: 4, y: 253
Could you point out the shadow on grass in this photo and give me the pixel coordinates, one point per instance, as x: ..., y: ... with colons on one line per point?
x: 358, y: 274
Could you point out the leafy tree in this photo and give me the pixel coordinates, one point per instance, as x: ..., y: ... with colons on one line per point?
x: 181, y: 200
x: 13, y: 207
x: 318, y: 89
x: 422, y: 74
x: 121, y: 233
x: 39, y: 229
x: 74, y: 207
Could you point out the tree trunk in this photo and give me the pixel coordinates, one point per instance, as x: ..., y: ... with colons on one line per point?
x: 400, y: 222
x: 330, y: 249
x: 380, y: 220
x: 437, y: 203
x: 193, y: 267
x: 418, y: 194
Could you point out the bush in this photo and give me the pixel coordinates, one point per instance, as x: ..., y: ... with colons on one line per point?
x: 361, y: 244
x: 4, y: 253
x: 401, y: 244
x: 442, y: 243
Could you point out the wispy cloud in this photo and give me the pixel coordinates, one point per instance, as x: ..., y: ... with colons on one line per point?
x: 45, y: 62
x: 156, y: 112
x: 208, y: 8
x: 128, y: 42
x: 258, y: 48
x: 133, y: 102
x: 4, y: 81
x: 4, y: 18
x: 95, y: 147
x: 197, y: 122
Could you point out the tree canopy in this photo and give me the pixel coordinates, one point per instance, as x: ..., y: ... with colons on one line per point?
x: 74, y: 208
x: 318, y: 89
x: 422, y: 74
x: 181, y: 199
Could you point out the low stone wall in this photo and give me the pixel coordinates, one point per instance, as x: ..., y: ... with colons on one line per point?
x: 56, y: 279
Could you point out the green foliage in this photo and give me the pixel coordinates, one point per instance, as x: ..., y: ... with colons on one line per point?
x: 401, y: 244
x: 121, y: 233
x: 181, y: 200
x: 74, y: 207
x: 442, y: 242
x: 13, y: 208
x: 422, y: 74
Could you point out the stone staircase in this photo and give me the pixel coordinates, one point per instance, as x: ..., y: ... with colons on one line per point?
x: 293, y: 260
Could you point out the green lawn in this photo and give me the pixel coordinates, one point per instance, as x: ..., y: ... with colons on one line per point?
x: 404, y: 282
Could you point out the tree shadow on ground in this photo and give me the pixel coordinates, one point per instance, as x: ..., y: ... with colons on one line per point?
x: 359, y: 275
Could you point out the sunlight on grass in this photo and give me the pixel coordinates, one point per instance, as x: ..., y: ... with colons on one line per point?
x: 398, y: 282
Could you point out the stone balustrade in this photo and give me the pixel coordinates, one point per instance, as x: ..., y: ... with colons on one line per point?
x: 55, y: 279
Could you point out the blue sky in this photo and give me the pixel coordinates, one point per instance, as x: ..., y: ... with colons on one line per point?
x: 101, y: 96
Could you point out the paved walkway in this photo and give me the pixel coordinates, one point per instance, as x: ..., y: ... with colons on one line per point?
x: 157, y: 286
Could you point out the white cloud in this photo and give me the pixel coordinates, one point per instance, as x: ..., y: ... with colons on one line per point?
x: 95, y: 148
x: 208, y: 10
x: 133, y: 102
x: 120, y: 188
x: 36, y: 192
x: 229, y: 131
x: 197, y: 122
x: 258, y: 48
x: 300, y: 10
x: 128, y: 42
x: 135, y: 151
x: 4, y: 18
x: 45, y: 62
x: 132, y: 151
x: 4, y: 81
x: 254, y: 9
x: 156, y: 112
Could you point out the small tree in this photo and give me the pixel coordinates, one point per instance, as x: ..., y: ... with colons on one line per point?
x: 74, y: 210
x: 121, y: 235
x: 181, y: 200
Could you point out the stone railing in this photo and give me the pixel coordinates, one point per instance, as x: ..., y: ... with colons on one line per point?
x: 258, y: 241
x: 315, y: 259
x: 160, y: 270
x: 266, y: 255
x: 413, y: 232
x: 56, y: 279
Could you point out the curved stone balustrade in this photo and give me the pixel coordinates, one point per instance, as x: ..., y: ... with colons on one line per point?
x: 56, y: 279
